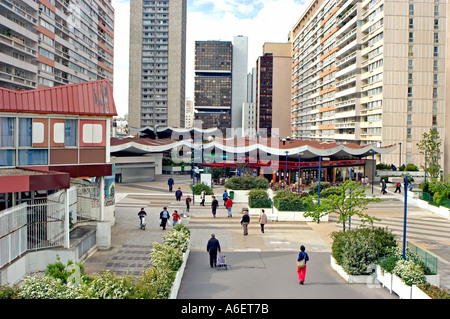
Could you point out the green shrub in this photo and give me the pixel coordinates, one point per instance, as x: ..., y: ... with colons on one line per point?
x: 434, y: 292
x: 108, y: 285
x: 8, y: 292
x: 314, y: 189
x: 288, y: 201
x: 198, y: 188
x: 382, y: 166
x: 388, y: 263
x: 410, y: 272
x: 247, y: 182
x: 356, y: 250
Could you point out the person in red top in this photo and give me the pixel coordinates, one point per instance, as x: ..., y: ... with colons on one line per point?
x: 228, y: 206
x: 176, y: 218
x: 188, y: 202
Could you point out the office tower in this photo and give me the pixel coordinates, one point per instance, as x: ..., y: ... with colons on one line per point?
x: 55, y: 42
x: 249, y: 114
x: 273, y: 97
x: 239, y: 79
x: 370, y: 72
x: 213, y: 69
x: 157, y: 63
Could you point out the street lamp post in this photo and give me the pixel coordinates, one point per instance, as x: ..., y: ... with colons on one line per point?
x: 404, y: 217
x: 400, y: 156
x: 285, y: 171
x: 299, y: 173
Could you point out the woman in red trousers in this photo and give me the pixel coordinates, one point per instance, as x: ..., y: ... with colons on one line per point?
x: 301, y: 271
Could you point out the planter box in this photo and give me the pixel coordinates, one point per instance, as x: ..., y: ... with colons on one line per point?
x: 384, y: 277
x: 208, y: 200
x: 294, y: 216
x: 351, y: 279
x: 240, y: 196
x: 396, y: 285
x: 417, y: 293
x: 179, y: 276
x: 400, y: 288
x: 257, y: 211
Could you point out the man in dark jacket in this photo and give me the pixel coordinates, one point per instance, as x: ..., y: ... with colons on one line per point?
x: 212, y: 247
x: 214, y: 205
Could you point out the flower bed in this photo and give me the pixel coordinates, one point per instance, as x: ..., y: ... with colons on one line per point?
x: 160, y: 281
x: 401, y: 275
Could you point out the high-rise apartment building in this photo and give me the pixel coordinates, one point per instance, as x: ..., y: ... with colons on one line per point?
x: 157, y: 63
x: 213, y: 81
x: 55, y: 42
x: 273, y: 94
x: 369, y: 72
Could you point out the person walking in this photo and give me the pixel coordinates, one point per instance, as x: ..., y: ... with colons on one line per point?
x: 398, y: 188
x: 245, y: 221
x: 164, y: 216
x: 383, y: 186
x: 214, y: 205
x: 176, y: 217
x: 178, y: 194
x: 141, y: 215
x: 302, y: 259
x: 213, y: 247
x: 228, y: 206
x: 203, y: 197
x: 225, y: 197
x: 170, y: 182
x: 188, y: 202
x: 262, y: 220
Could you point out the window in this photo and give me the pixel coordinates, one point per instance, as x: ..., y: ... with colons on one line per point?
x: 7, y: 131
x: 25, y: 132
x: 435, y: 79
x: 410, y: 51
x: 436, y: 24
x: 410, y: 78
x: 7, y: 158
x: 411, y: 9
x: 410, y: 91
x: 436, y: 37
x: 436, y: 51
x: 410, y: 65
x: 33, y: 157
x: 410, y: 106
x: 411, y: 36
x: 434, y: 121
x: 70, y: 132
x: 411, y: 23
x: 435, y: 65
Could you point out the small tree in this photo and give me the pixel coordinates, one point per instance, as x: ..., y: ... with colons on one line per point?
x: 348, y: 200
x: 431, y: 146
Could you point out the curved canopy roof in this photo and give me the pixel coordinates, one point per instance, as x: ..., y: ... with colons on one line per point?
x: 306, y: 149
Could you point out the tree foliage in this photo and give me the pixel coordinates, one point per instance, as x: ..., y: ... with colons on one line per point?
x: 346, y: 200
x: 431, y: 146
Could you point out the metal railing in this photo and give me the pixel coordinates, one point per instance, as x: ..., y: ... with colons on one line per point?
x: 429, y: 260
x: 429, y: 198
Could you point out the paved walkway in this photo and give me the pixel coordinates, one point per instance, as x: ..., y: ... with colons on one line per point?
x: 262, y: 265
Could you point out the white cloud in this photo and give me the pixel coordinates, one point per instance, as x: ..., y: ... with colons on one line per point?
x: 266, y: 21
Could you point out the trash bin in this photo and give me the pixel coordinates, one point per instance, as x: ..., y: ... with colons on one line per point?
x: 232, y: 194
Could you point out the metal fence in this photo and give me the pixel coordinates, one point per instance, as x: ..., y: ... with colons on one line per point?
x: 429, y: 198
x: 429, y: 260
x: 31, y: 226
x: 13, y: 233
x: 88, y: 202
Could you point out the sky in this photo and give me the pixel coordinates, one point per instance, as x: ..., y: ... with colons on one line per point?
x: 259, y: 20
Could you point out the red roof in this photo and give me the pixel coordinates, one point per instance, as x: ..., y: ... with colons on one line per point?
x: 88, y: 98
